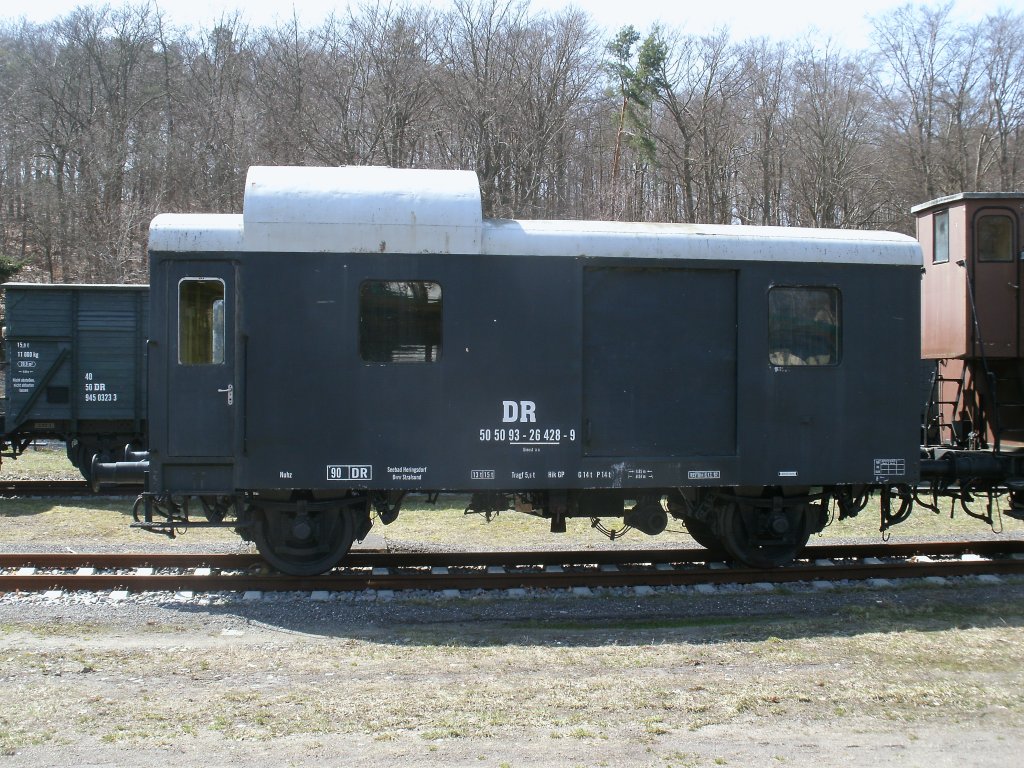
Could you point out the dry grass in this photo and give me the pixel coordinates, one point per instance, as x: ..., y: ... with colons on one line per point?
x: 40, y: 462
x: 636, y: 683
x: 77, y: 523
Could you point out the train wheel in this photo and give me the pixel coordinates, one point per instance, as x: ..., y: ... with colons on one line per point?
x: 303, y: 542
x: 764, y: 537
x: 701, y: 532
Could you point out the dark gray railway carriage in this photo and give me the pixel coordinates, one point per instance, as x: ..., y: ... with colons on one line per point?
x: 360, y: 333
x: 75, y: 368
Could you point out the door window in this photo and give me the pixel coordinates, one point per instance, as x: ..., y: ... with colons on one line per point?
x: 201, y: 321
x: 994, y: 235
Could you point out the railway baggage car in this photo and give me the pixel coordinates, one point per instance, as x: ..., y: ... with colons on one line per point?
x: 356, y: 334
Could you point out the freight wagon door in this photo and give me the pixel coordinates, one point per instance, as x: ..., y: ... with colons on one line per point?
x: 201, y: 369
x: 659, y: 362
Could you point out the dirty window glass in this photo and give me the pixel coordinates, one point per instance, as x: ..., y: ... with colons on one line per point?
x: 941, y: 231
x: 994, y: 238
x: 200, y: 321
x: 400, y: 321
x: 803, y: 326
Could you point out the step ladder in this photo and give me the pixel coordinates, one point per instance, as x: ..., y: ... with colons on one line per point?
x: 940, y: 396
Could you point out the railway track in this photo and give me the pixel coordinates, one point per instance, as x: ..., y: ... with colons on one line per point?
x: 380, y: 570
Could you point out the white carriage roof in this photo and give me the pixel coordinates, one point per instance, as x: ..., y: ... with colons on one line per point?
x: 357, y: 209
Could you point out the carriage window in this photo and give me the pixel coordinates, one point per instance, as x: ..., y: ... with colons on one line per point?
x: 399, y: 322
x: 994, y: 238
x: 940, y: 254
x: 200, y: 321
x: 803, y: 326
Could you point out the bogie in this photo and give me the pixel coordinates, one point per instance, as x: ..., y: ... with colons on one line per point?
x: 302, y: 537
x: 767, y: 536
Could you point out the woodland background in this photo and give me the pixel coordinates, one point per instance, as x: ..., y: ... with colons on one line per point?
x: 110, y: 115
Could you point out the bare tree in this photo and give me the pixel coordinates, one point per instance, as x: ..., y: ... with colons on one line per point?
x: 832, y: 129
x: 553, y: 76
x: 1003, y: 57
x: 210, y: 115
x: 334, y: 124
x: 916, y: 47
x: 767, y: 70
x: 395, y: 74
x: 479, y: 44
x: 701, y: 90
x: 964, y: 140
x: 17, y: 148
x: 117, y: 49
x: 284, y: 59
x: 110, y: 115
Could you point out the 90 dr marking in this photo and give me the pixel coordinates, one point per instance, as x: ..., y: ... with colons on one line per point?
x: 533, y: 435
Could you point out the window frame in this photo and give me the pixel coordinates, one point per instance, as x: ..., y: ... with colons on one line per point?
x: 836, y: 341
x: 1010, y: 224
x: 936, y: 240
x: 436, y: 350
x: 216, y: 324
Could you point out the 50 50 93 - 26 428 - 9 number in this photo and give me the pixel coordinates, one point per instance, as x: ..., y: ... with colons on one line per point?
x: 533, y: 435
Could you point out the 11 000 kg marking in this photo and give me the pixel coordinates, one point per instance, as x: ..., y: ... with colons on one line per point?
x: 550, y: 436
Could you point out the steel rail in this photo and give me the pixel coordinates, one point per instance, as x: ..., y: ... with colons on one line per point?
x: 398, y: 571
x: 355, y: 582
x: 383, y: 558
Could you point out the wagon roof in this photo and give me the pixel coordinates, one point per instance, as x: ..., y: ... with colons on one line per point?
x: 964, y: 196
x: 385, y: 210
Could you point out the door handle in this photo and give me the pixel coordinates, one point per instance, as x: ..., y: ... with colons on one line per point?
x: 230, y: 393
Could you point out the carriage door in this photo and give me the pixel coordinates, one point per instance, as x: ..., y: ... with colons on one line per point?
x: 659, y: 362
x: 997, y: 282
x: 202, y: 397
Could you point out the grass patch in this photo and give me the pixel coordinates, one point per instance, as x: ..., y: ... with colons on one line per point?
x: 631, y: 685
x: 78, y: 522
x: 81, y: 522
x: 634, y: 625
x: 40, y: 462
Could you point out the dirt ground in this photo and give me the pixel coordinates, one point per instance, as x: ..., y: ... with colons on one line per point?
x: 911, y: 676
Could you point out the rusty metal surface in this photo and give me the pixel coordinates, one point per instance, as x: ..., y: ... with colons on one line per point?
x: 947, y: 323
x: 997, y: 293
